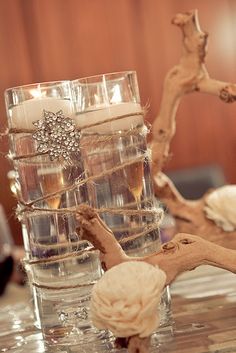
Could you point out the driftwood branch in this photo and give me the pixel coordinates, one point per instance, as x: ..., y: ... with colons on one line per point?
x: 189, y: 215
x: 184, y: 252
x: 93, y: 229
x: 190, y: 75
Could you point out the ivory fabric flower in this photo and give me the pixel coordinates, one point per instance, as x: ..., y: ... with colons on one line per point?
x: 125, y: 300
x: 221, y: 207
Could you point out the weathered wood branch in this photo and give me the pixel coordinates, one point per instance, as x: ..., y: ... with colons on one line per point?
x: 189, y: 215
x: 190, y: 75
x: 93, y: 229
x: 184, y: 252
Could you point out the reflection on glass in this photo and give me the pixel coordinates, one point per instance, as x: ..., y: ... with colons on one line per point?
x: 134, y: 173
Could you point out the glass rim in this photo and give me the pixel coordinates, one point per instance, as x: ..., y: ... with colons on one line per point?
x: 57, y: 82
x: 39, y: 84
x: 108, y: 74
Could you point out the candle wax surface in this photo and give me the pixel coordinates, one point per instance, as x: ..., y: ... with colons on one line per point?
x: 23, y: 115
x: 109, y: 112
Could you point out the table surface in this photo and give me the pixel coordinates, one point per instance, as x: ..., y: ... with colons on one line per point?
x: 203, y: 307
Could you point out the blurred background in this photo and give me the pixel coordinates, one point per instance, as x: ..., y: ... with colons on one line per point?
x: 43, y: 40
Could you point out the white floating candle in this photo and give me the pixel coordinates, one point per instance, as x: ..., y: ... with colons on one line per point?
x: 107, y: 113
x: 24, y: 114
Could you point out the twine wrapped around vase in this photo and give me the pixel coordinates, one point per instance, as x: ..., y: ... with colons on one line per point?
x: 34, y: 207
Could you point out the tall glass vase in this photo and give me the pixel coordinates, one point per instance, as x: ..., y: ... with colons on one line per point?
x: 117, y: 161
x: 44, y: 147
x: 61, y: 133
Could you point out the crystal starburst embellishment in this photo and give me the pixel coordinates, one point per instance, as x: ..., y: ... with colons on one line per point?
x: 56, y: 135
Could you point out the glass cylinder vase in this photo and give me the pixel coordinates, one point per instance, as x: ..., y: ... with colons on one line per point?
x: 117, y: 162
x: 44, y: 147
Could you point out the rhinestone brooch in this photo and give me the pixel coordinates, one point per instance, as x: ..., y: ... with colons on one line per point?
x: 56, y: 135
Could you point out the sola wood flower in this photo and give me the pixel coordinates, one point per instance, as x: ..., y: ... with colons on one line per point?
x: 118, y: 304
x: 56, y: 135
x: 221, y: 207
